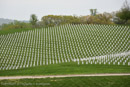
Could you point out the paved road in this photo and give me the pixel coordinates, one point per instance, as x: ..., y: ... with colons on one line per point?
x: 56, y: 76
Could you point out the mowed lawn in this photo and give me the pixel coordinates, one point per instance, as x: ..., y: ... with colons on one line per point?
x: 67, y: 68
x: 109, y: 81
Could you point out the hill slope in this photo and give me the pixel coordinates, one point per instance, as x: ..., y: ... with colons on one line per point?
x: 84, y: 44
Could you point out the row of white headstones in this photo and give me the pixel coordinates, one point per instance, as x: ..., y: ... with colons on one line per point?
x: 126, y: 41
x: 112, y: 59
x: 13, y: 57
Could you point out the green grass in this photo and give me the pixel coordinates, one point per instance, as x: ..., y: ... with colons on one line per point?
x: 110, y: 81
x: 67, y: 68
x: 4, y: 32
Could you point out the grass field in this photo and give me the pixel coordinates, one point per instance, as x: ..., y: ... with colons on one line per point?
x: 67, y: 68
x: 61, y: 50
x: 11, y: 31
x: 110, y: 81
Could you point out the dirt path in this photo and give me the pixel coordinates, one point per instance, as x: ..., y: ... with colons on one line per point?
x: 56, y: 76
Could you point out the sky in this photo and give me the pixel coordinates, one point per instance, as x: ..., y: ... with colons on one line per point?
x: 22, y: 9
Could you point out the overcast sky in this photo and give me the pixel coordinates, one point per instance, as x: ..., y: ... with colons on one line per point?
x: 22, y: 9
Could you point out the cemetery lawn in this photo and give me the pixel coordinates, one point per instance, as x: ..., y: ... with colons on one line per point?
x: 19, y: 49
x: 67, y: 68
x: 110, y: 81
x: 11, y: 31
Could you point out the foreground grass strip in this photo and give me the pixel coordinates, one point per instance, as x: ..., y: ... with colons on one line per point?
x: 105, y: 81
x: 66, y: 68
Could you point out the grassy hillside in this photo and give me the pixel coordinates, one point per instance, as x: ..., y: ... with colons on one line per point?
x: 68, y: 45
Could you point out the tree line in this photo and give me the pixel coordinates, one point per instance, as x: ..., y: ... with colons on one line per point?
x: 119, y: 17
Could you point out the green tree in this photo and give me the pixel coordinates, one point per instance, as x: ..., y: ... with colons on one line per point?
x: 104, y: 18
x: 124, y: 13
x: 33, y: 20
x: 93, y: 12
x: 51, y: 20
x: 54, y: 20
